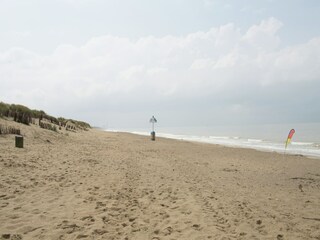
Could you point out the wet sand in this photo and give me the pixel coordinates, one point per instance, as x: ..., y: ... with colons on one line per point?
x: 101, y: 185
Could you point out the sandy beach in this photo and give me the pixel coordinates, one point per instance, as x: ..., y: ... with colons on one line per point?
x: 101, y: 185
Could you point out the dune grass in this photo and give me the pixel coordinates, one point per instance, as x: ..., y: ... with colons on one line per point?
x: 22, y: 114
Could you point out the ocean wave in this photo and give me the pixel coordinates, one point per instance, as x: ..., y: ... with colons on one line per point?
x: 218, y: 138
x: 302, y: 143
x: 255, y: 140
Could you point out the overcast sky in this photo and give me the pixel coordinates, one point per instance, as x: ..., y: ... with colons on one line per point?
x: 188, y: 62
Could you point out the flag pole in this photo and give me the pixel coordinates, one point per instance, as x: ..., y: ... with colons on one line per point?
x: 284, y: 153
x: 153, y: 120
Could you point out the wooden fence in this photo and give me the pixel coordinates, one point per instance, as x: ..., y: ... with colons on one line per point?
x: 9, y: 130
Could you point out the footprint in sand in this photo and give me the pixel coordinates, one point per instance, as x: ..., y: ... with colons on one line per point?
x: 88, y: 220
x: 99, y: 232
x: 3, y: 205
x: 167, y: 231
x: 100, y: 205
x: 11, y: 237
x: 196, y: 227
x: 105, y: 219
x: 69, y: 227
x: 80, y: 236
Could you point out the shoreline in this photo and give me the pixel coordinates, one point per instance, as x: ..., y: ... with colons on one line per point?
x: 102, y: 185
x: 203, y: 140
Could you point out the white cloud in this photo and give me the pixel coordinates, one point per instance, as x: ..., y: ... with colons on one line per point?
x: 221, y: 66
x: 202, y: 63
x: 263, y: 36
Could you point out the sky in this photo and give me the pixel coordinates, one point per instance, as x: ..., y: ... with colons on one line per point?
x: 187, y: 62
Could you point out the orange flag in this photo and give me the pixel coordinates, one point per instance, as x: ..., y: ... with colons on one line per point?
x: 292, y: 131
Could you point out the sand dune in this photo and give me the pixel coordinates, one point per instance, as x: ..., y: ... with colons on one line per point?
x: 99, y: 185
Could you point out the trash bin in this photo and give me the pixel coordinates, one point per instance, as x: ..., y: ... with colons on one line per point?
x: 153, y: 135
x: 19, y: 141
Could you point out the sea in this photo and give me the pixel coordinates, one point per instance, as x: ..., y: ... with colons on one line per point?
x: 262, y: 137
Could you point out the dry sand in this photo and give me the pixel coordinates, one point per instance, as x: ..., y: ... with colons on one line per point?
x: 99, y: 185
